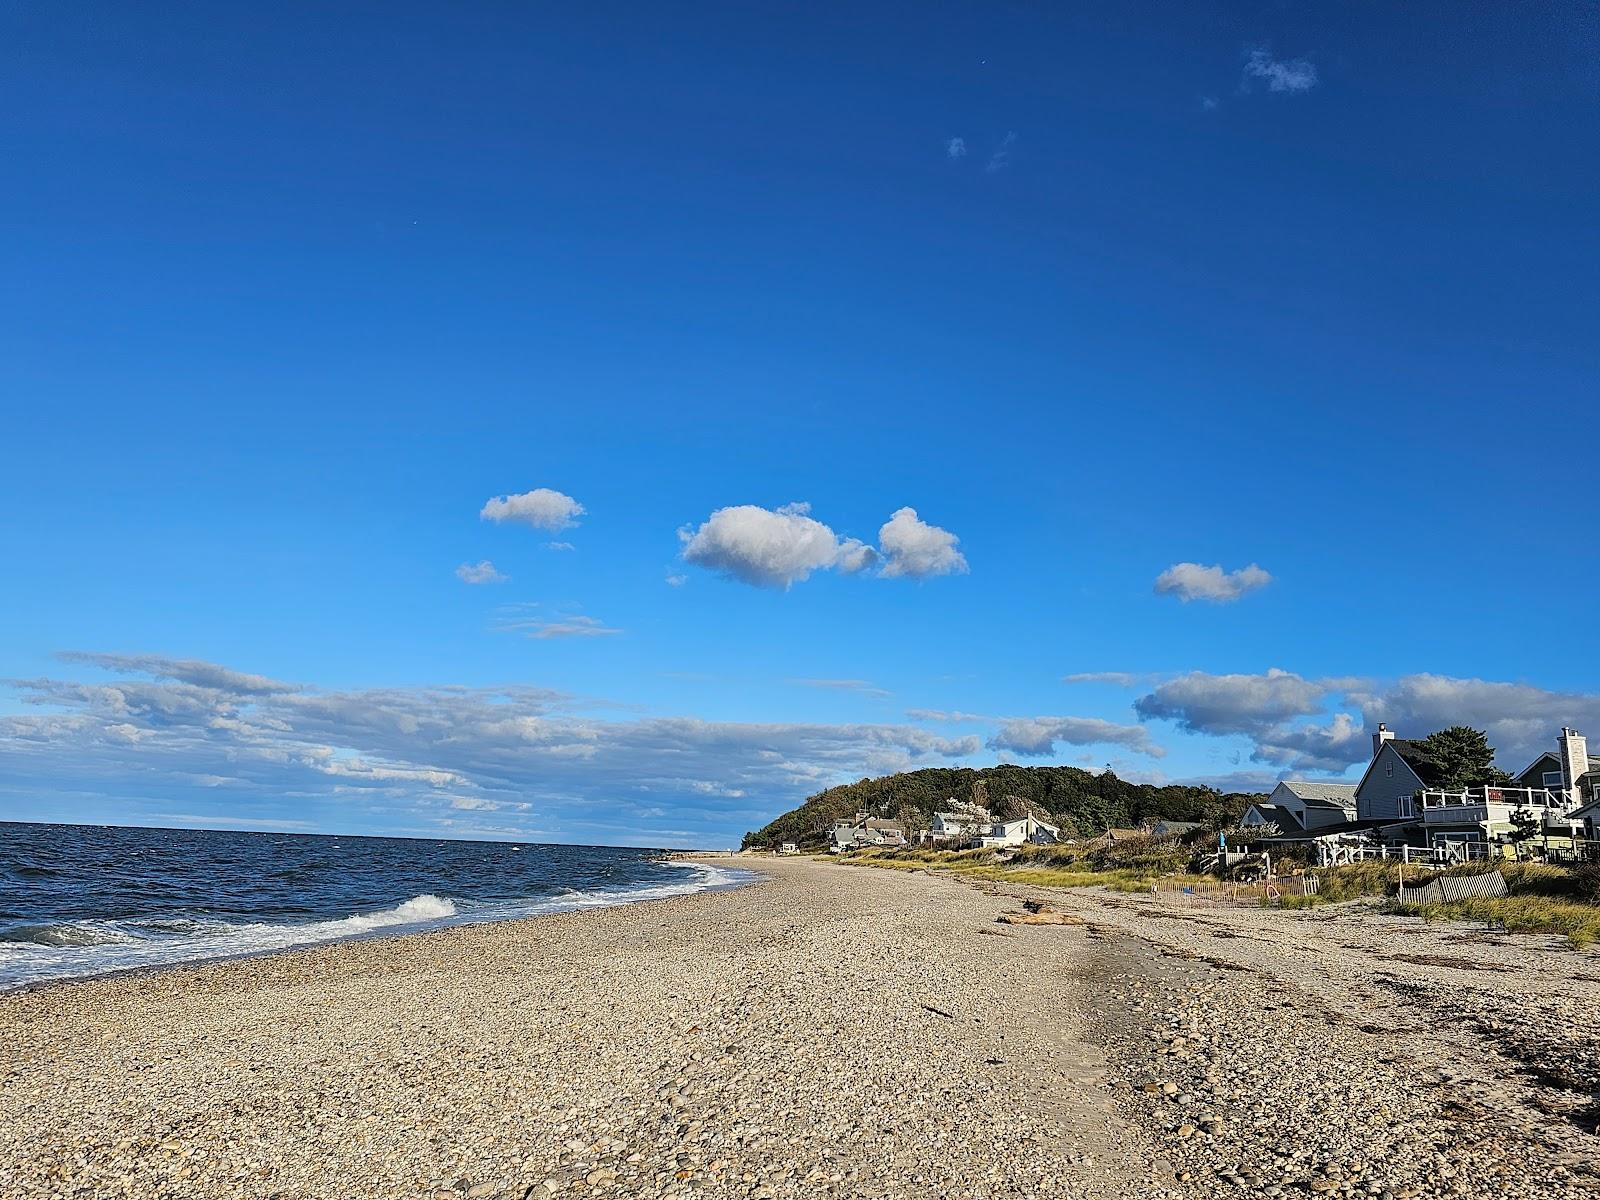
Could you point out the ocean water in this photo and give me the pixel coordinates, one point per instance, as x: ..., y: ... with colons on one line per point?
x: 78, y: 900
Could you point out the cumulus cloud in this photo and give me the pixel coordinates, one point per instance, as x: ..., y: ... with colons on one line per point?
x: 765, y: 547
x: 855, y: 556
x: 1223, y: 704
x: 674, y: 580
x: 956, y: 147
x: 480, y: 572
x: 1191, y: 581
x: 1280, y: 75
x: 1036, y: 737
x: 1326, y: 724
x: 543, y: 508
x: 1315, y: 747
x: 408, y: 757
x: 784, y: 546
x: 916, y: 550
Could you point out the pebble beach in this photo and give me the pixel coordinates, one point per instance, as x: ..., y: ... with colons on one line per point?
x: 829, y: 1031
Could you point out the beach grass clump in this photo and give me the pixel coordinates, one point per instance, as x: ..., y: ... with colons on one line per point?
x: 1580, y: 923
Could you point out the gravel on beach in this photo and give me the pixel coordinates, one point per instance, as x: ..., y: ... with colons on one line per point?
x: 831, y: 1032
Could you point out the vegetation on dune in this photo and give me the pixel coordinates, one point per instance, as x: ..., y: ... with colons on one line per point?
x: 1081, y: 802
x: 1037, y: 871
x: 1543, y: 899
x: 1518, y: 914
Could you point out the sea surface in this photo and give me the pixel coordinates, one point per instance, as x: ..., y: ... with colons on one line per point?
x: 78, y: 900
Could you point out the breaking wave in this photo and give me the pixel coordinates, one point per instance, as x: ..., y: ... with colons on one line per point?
x: 31, y: 954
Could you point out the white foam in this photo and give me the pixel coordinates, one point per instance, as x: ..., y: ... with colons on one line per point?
x: 122, y: 946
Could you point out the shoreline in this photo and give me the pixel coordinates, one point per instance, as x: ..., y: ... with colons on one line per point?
x: 420, y: 929
x: 825, y: 1031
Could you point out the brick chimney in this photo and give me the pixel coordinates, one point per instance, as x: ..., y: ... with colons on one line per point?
x: 1378, y: 739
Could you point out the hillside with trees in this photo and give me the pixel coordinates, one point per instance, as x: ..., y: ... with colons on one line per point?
x: 1081, y: 802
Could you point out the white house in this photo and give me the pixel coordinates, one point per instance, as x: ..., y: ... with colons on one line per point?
x: 1022, y: 831
x: 959, y: 823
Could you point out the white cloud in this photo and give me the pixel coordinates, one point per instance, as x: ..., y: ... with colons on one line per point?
x: 481, y: 572
x: 765, y: 547
x: 543, y: 508
x: 412, y: 753
x: 559, y: 546
x: 855, y: 556
x: 1002, y: 154
x: 1035, y: 737
x: 1281, y: 75
x: 1312, y: 747
x: 956, y: 147
x: 1223, y: 704
x: 915, y: 549
x: 1191, y: 581
x: 1288, y: 720
x: 676, y: 580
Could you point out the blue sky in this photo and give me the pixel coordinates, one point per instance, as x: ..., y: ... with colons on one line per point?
x: 293, y: 294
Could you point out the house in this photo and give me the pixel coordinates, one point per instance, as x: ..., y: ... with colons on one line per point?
x: 1028, y: 830
x: 1264, y: 815
x: 1303, y: 805
x: 1402, y: 794
x: 1163, y: 829
x: 862, y: 830
x: 959, y: 823
x: 1398, y: 771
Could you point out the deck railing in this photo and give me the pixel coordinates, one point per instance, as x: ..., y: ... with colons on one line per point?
x: 1515, y: 797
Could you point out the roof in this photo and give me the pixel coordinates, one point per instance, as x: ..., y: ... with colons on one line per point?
x: 1125, y: 833
x: 1176, y: 826
x: 1331, y: 795
x: 1535, y: 765
x: 1419, y: 760
x: 1277, y: 815
x: 877, y: 823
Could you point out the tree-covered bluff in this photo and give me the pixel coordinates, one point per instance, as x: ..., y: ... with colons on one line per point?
x: 1081, y: 802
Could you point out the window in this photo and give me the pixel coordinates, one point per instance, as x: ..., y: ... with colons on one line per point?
x: 1552, y: 779
x: 1388, y: 769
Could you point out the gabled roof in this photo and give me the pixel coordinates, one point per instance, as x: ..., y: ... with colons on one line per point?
x: 1276, y: 814
x: 1535, y: 765
x: 1330, y: 795
x: 1422, y: 764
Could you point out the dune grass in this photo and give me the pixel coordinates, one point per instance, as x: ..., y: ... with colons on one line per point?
x: 1034, y: 870
x: 1518, y: 914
